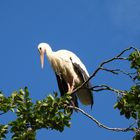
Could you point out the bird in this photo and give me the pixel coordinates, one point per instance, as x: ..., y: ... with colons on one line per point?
x: 70, y: 73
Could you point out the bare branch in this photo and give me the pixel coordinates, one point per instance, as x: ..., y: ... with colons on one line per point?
x: 105, y: 87
x: 102, y: 125
x: 100, y: 67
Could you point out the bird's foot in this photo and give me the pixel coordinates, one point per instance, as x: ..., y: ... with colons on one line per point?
x: 70, y: 88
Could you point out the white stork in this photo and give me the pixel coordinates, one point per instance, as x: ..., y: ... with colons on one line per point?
x: 70, y: 73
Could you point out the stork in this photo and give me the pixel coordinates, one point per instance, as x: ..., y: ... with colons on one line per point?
x: 70, y: 73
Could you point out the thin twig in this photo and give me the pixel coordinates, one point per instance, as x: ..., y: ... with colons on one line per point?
x: 128, y: 74
x: 136, y: 50
x: 114, y: 71
x: 122, y: 58
x: 105, y: 87
x: 118, y: 71
x: 102, y: 125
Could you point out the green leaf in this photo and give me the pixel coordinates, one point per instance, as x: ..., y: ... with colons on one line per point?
x: 26, y: 92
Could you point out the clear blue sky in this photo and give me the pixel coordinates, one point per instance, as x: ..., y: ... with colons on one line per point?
x: 94, y: 29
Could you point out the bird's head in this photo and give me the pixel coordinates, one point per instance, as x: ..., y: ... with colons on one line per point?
x: 43, y: 48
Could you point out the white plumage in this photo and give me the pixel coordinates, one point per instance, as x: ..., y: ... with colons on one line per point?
x: 70, y: 73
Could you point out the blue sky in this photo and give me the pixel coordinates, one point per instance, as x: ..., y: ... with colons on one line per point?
x: 94, y: 29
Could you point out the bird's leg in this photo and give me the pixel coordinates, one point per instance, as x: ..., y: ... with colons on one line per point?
x: 71, y: 86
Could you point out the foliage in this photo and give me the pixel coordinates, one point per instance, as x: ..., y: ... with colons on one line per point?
x: 129, y: 104
x: 49, y: 113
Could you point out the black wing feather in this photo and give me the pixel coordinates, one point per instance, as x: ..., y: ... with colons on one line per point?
x: 63, y: 88
x: 62, y: 85
x: 83, y: 76
x: 81, y: 73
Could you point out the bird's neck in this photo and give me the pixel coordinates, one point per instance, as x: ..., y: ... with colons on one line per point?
x: 49, y: 54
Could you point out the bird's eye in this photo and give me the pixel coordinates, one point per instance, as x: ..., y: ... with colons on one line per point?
x: 39, y: 49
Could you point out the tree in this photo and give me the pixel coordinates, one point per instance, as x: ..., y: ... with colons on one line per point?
x: 55, y: 112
